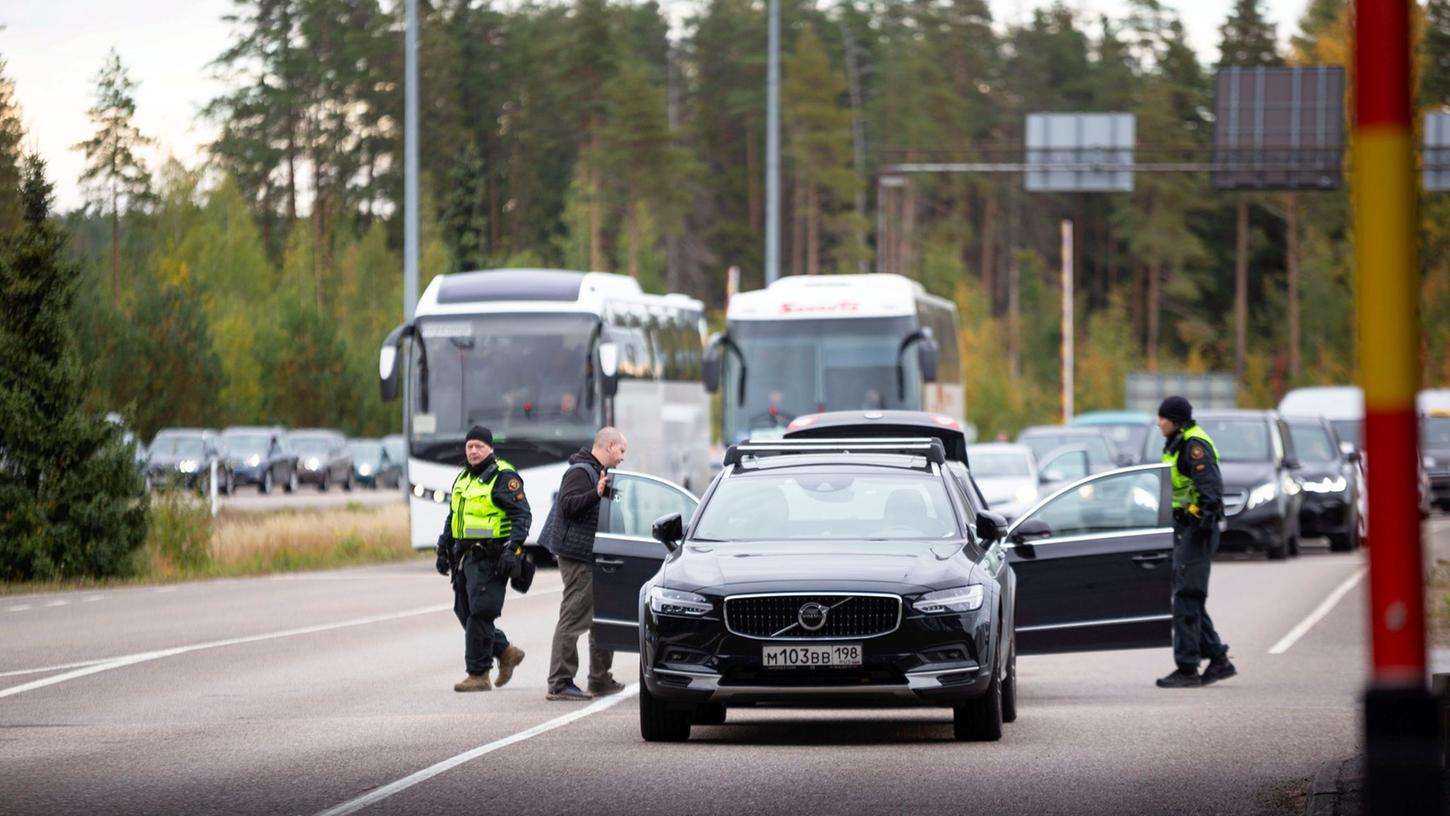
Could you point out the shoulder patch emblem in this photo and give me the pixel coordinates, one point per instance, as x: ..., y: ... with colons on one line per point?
x: 518, y: 497
x: 1196, y: 452
x: 515, y: 484
x: 1199, y: 467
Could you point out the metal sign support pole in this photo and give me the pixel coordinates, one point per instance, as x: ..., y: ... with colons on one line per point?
x: 410, y: 162
x: 1403, y: 773
x: 1067, y: 344
x: 772, y: 148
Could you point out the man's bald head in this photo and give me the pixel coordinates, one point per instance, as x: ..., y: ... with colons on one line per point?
x: 609, y: 446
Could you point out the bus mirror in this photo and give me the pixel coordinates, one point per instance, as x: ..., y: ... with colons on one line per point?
x: 926, y: 358
x: 388, y: 362
x: 609, y: 368
x: 710, y: 369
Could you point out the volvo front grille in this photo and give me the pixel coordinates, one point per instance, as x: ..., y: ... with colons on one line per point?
x: 813, y: 616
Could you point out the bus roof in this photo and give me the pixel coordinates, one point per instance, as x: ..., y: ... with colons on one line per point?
x: 538, y: 290
x: 806, y: 297
x: 1330, y: 401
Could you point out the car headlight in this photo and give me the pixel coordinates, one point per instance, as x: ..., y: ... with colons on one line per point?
x: 1429, y: 462
x: 365, y: 470
x: 186, y: 466
x: 1025, y: 494
x: 675, y: 602
x: 1263, y: 494
x: 1335, y: 484
x: 254, y: 460
x: 313, y: 463
x: 956, y: 599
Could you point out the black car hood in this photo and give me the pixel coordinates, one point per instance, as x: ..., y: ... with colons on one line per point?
x: 823, y: 565
x: 1318, y: 471
x: 1246, y: 475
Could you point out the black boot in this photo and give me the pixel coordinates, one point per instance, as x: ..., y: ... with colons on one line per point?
x: 1218, y: 669
x: 1181, y: 678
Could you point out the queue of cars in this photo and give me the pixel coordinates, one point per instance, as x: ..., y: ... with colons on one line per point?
x: 270, y: 458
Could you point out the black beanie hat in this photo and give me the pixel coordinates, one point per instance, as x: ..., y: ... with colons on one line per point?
x: 480, y: 433
x: 1177, y: 409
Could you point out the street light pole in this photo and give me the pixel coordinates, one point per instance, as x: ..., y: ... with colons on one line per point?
x: 772, y: 148
x: 410, y: 162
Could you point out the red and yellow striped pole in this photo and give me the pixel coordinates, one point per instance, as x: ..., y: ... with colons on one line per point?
x: 1400, y: 721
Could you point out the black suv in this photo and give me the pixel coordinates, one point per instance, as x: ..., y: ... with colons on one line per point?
x: 183, y: 457
x: 261, y: 456
x: 863, y: 571
x: 1262, y: 493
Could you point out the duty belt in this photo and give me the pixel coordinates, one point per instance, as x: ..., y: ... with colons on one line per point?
x: 489, y: 548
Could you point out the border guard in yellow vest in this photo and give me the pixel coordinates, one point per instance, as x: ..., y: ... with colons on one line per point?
x: 1197, y: 509
x: 482, y: 545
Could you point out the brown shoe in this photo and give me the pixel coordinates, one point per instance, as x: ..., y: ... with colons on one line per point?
x: 606, y: 688
x: 512, y: 656
x: 474, y: 682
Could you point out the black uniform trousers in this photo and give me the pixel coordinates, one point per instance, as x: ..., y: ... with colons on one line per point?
x: 1194, y: 638
x: 479, y: 584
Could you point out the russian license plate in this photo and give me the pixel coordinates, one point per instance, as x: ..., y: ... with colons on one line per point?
x: 824, y: 654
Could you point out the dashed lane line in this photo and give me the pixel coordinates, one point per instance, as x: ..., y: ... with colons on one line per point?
x: 391, y: 789
x: 47, y: 669
x: 1319, y: 612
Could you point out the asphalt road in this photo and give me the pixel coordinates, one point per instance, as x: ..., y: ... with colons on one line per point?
x: 298, y: 694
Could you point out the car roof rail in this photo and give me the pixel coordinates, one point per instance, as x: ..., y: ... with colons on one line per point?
x: 928, y: 447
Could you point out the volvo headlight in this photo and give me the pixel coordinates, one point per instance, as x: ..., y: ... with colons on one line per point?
x: 678, y: 603
x: 186, y: 466
x: 1263, y: 494
x: 1025, y: 494
x: 956, y: 599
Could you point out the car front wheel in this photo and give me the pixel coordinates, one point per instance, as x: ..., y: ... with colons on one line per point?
x: 980, y: 720
x: 265, y: 486
x: 658, y: 722
x: 292, y: 482
x: 1009, y: 685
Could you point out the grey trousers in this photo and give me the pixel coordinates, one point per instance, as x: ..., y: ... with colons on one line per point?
x: 576, y: 615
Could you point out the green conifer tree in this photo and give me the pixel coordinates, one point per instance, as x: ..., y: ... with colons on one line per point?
x: 71, y: 501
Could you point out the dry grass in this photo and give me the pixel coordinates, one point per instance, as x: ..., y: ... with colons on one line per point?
x: 1437, y: 603
x: 246, y: 543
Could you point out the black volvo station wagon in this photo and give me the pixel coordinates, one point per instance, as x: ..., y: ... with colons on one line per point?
x: 864, y: 572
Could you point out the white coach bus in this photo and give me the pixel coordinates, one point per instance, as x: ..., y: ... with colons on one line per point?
x: 543, y: 358
x: 807, y: 344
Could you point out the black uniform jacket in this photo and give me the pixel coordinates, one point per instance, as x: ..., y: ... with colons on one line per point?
x: 1196, y: 461
x: 508, y: 494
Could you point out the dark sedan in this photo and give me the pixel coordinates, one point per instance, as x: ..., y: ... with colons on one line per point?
x: 1435, y: 442
x: 863, y: 571
x: 260, y: 456
x: 372, y: 465
x: 323, y: 458
x: 183, y: 457
x: 1330, y: 477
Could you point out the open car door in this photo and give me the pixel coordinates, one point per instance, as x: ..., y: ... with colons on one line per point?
x: 1094, y: 564
x: 626, y: 554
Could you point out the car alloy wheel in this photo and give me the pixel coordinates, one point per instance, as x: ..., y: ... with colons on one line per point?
x: 292, y: 482
x: 658, y: 722
x: 266, y: 486
x: 980, y: 720
x: 1009, y: 685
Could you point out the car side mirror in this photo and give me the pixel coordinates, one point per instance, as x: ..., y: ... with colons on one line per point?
x: 1351, y: 456
x: 1032, y: 529
x: 991, y: 526
x: 669, y: 530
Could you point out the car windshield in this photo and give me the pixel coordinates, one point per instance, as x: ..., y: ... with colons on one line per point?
x: 1044, y: 443
x: 176, y: 446
x: 1435, y: 433
x: 1348, y: 430
x: 1313, y: 443
x: 525, y: 377
x: 795, y: 367
x: 247, y: 443
x: 1240, y: 440
x: 822, y: 504
x: 1127, y: 436
x: 999, y: 465
x: 311, y: 444
x: 394, y: 446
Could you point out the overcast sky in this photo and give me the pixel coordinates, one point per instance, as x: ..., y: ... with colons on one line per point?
x: 54, y: 48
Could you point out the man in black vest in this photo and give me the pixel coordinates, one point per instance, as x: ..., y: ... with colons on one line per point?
x: 577, y: 511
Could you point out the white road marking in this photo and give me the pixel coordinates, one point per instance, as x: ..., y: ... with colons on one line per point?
x: 378, y: 795
x: 94, y: 598
x: 1319, y: 612
x: 165, y: 589
x: 44, y: 669
x: 20, y: 608
x: 143, y: 657
x: 87, y: 668
x: 57, y: 603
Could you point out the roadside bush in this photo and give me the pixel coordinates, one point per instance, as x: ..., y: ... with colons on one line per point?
x: 179, y: 540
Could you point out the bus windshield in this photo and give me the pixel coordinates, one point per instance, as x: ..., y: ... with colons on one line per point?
x: 796, y: 367
x: 524, y: 377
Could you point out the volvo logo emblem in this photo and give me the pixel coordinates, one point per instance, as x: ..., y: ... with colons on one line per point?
x: 812, y: 616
